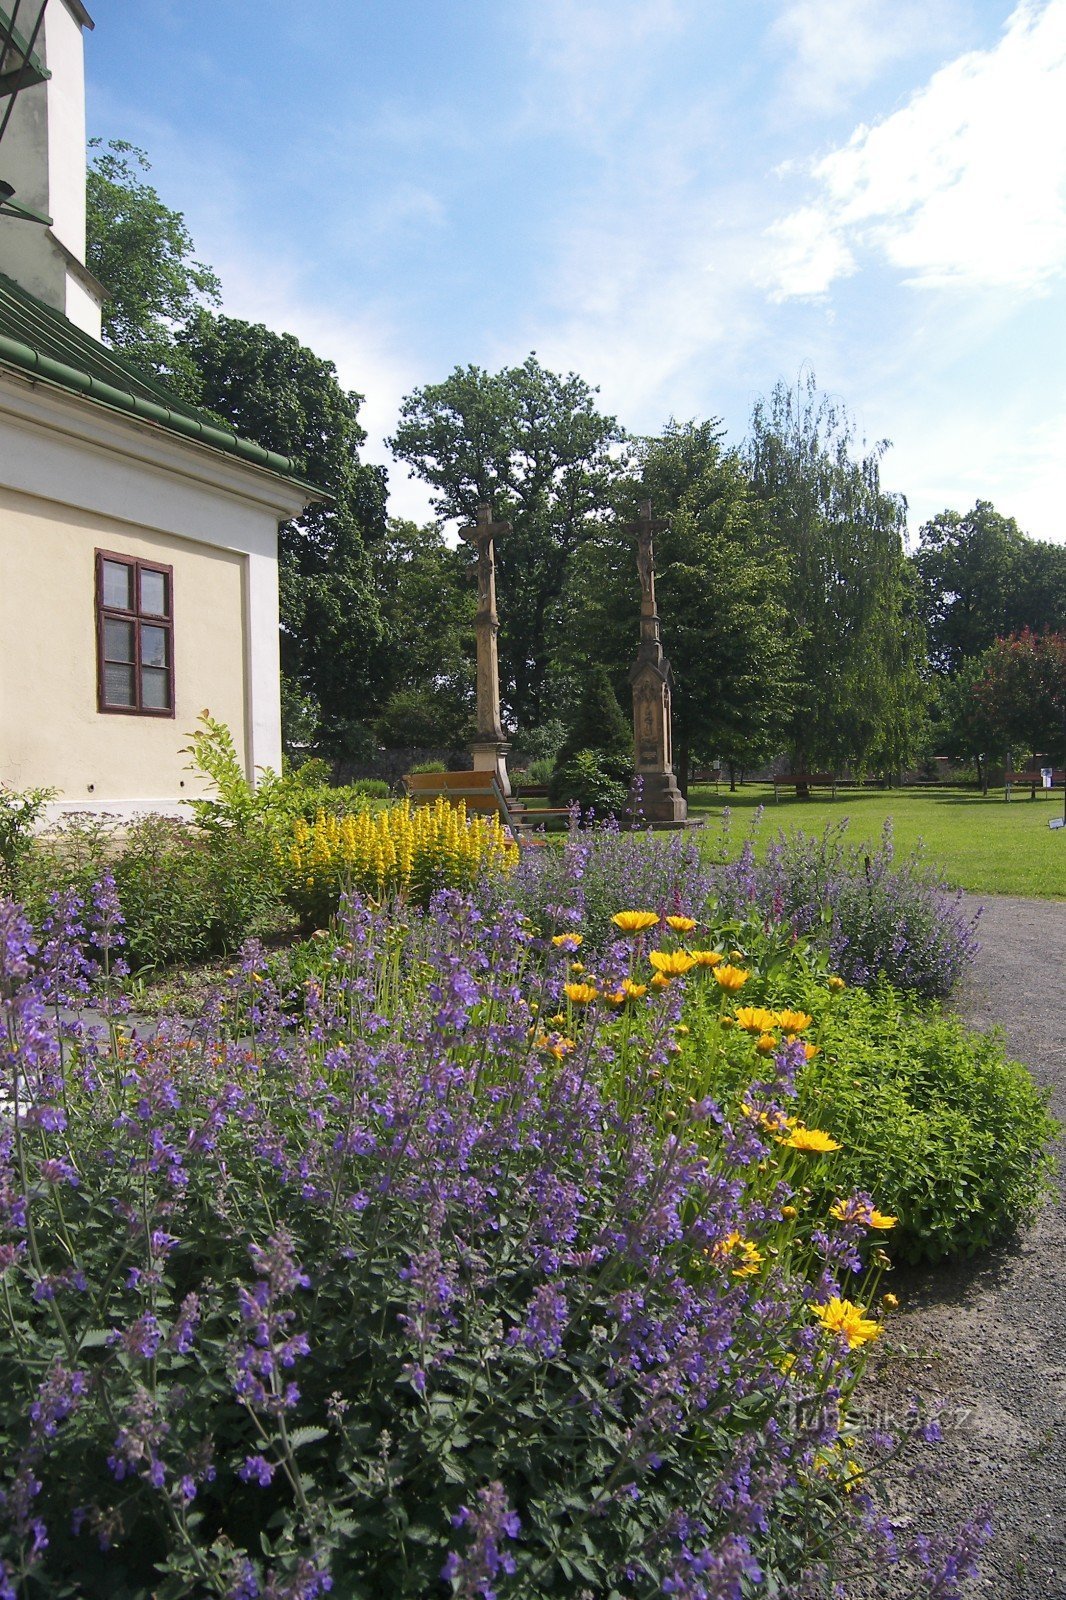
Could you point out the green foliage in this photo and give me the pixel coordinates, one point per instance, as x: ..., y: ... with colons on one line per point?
x: 533, y: 445
x: 1020, y: 693
x: 428, y: 598
x: 271, y: 388
x: 591, y: 780
x: 935, y: 1121
x: 20, y: 811
x: 142, y: 253
x: 720, y: 586
x: 852, y: 613
x: 428, y: 718
x: 429, y: 766
x: 981, y: 578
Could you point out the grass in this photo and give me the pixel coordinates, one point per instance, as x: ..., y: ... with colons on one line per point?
x: 981, y: 843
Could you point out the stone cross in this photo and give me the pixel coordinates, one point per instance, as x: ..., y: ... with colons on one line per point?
x: 653, y: 754
x: 490, y: 746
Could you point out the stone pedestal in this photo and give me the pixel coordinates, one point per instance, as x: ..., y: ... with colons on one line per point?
x: 490, y: 755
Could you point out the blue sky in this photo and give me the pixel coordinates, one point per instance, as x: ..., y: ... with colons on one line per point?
x: 682, y: 200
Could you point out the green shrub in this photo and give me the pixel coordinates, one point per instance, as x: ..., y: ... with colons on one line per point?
x: 593, y: 781
x: 540, y: 770
x: 934, y: 1120
x: 429, y: 766
x: 20, y: 811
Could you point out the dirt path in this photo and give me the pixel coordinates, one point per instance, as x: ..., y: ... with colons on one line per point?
x: 988, y: 1338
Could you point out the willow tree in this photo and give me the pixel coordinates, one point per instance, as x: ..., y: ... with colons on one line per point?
x: 852, y: 609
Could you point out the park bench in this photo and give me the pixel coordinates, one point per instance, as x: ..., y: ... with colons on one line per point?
x: 1031, y: 780
x: 805, y: 781
x: 707, y: 776
x: 482, y: 794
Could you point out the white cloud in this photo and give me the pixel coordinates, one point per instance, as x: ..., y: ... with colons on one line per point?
x: 837, y: 47
x: 365, y: 349
x: 966, y: 184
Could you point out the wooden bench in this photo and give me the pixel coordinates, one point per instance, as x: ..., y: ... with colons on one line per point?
x: 482, y: 794
x: 1031, y: 780
x: 707, y: 776
x: 805, y: 781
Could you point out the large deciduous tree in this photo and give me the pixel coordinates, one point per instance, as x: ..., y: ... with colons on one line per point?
x: 1021, y: 691
x: 534, y: 445
x: 272, y: 388
x: 719, y: 585
x: 982, y: 578
x: 851, y: 610
x: 142, y: 252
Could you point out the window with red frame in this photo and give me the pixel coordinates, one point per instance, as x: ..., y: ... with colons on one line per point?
x: 134, y: 636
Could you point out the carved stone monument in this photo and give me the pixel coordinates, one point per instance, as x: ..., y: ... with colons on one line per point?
x: 490, y: 746
x: 660, y: 799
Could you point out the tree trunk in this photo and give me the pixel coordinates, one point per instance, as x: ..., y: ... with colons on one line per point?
x: 681, y: 766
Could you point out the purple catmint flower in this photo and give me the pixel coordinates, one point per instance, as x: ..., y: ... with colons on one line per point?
x: 490, y: 1524
x: 257, y: 1469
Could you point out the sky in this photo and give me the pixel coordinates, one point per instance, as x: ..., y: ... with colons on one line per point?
x: 683, y: 201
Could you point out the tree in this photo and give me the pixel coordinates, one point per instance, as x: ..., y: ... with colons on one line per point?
x: 719, y: 586
x: 532, y: 444
x: 963, y: 725
x: 1021, y: 690
x: 859, y: 648
x: 968, y: 567
x: 142, y: 252
x: 428, y: 600
x: 595, y: 763
x: 271, y: 388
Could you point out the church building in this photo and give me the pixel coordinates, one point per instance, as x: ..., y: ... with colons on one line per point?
x: 138, y: 537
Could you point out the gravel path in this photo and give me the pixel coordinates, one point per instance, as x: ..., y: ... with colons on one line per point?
x: 986, y: 1340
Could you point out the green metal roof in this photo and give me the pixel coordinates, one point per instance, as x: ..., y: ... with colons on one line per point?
x: 43, y: 344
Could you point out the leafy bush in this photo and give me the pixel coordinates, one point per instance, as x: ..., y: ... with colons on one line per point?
x: 878, y: 918
x: 429, y: 766
x: 20, y: 811
x: 403, y: 849
x: 934, y: 1120
x: 416, y: 1292
x: 593, y: 781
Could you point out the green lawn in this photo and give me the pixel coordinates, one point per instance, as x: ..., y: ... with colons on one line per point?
x: 983, y: 844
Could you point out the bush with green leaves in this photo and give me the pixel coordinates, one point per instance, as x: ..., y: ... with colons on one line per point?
x: 934, y: 1119
x: 20, y: 812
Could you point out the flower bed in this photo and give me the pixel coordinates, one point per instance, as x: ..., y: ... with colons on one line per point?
x: 447, y: 1287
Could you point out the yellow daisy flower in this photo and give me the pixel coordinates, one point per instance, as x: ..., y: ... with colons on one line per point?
x: 793, y: 1021
x: 811, y: 1140
x: 766, y: 1044
x: 568, y: 941
x: 755, y: 1019
x: 671, y: 961
x: 580, y: 994
x: 635, y: 921
x: 681, y: 924
x: 706, y: 958
x: 731, y: 978
x: 848, y: 1321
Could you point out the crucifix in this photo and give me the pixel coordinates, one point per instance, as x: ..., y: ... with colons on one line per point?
x: 661, y: 800
x: 490, y: 746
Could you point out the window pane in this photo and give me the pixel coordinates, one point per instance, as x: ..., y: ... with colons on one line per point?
x: 118, y: 585
x: 153, y: 646
x: 118, y: 640
x: 154, y: 594
x: 155, y: 689
x: 118, y: 685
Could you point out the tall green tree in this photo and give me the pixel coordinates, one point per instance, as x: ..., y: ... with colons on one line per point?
x: 851, y: 615
x: 142, y: 252
x: 719, y: 585
x: 273, y: 389
x: 428, y: 600
x: 968, y: 565
x: 534, y: 445
x: 1021, y: 690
